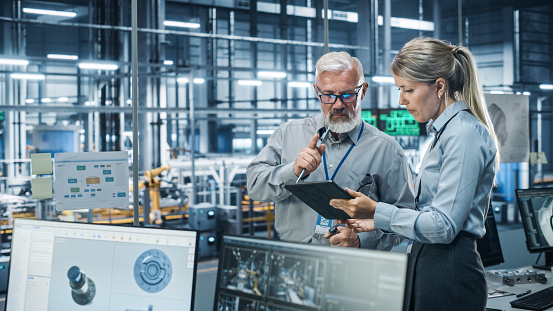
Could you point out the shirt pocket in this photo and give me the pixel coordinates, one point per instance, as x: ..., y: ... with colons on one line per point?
x: 367, y: 186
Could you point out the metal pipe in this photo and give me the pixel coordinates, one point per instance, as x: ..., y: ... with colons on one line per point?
x: 134, y: 87
x: 187, y: 33
x: 326, y: 25
x: 460, y: 20
x: 117, y: 109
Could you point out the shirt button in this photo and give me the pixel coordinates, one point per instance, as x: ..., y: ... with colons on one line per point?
x: 331, y: 165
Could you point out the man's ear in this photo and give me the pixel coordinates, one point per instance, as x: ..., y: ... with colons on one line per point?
x: 440, y: 87
x: 365, y: 87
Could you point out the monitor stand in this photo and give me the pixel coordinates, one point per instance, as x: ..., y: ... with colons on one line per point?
x: 548, y: 262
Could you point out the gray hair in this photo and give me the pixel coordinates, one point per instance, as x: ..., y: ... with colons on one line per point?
x: 339, y: 62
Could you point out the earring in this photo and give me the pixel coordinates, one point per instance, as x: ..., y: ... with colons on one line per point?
x: 440, y: 97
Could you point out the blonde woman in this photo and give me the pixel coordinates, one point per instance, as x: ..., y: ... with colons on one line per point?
x: 438, y: 83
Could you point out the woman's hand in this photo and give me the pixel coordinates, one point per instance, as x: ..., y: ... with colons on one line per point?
x: 361, y: 206
x: 358, y: 225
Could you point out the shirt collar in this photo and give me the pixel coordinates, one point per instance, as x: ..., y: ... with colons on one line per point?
x: 448, y: 113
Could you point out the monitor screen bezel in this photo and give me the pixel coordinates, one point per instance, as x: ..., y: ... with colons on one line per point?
x: 529, y: 246
x: 196, y: 255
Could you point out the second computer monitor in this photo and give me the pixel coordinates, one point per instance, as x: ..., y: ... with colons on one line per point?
x: 257, y: 274
x: 77, y: 266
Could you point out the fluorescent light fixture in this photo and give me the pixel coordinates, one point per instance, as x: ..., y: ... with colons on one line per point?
x: 46, y: 100
x: 299, y: 84
x: 383, y: 79
x: 49, y: 12
x: 181, y: 24
x: 408, y: 23
x: 27, y: 76
x: 89, y: 103
x: 546, y: 86
x: 518, y: 93
x: 129, y: 101
x: 272, y: 74
x: 497, y: 92
x: 526, y: 93
x: 168, y: 62
x: 63, y: 99
x: 29, y: 101
x: 182, y: 80
x: 98, y: 66
x: 62, y: 56
x: 250, y: 82
x: 265, y: 132
x: 198, y: 80
x: 19, y: 62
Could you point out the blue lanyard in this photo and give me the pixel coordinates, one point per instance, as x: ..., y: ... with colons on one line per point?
x: 345, y: 156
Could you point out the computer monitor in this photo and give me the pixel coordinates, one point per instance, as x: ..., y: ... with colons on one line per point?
x: 57, y: 138
x: 72, y: 266
x: 536, y: 210
x: 489, y: 246
x: 258, y: 274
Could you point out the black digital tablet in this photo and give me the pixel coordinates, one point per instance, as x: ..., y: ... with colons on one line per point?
x: 318, y: 194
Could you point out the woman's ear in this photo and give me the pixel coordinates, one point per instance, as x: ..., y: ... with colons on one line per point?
x: 440, y: 87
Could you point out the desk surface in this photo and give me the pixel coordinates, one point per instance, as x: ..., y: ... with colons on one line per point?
x: 502, y: 303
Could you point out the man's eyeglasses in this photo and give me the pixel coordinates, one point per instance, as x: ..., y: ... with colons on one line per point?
x: 345, y: 98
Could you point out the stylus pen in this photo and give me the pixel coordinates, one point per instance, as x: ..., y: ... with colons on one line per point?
x: 523, y: 293
x: 321, y: 138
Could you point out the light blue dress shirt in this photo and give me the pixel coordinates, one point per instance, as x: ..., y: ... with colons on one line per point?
x: 455, y: 183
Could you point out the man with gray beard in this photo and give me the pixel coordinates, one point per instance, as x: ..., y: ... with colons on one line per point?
x: 354, y: 155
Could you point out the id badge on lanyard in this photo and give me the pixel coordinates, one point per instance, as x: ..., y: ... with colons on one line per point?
x: 323, y: 225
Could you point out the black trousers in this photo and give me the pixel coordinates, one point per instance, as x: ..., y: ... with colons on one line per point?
x: 446, y: 276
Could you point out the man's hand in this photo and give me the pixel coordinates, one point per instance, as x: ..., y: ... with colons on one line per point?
x: 345, y: 237
x: 361, y: 206
x: 358, y: 225
x: 309, y: 158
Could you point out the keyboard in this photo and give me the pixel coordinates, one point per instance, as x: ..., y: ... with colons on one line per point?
x: 540, y: 300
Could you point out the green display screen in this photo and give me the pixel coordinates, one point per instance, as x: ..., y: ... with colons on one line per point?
x: 394, y: 122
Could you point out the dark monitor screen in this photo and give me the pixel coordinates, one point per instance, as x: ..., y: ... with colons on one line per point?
x: 59, y: 265
x: 489, y: 246
x: 258, y: 274
x: 536, y: 210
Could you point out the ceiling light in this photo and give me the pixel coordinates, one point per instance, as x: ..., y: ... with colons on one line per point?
x: 27, y: 76
x: 29, y: 101
x: 272, y: 74
x: 19, y: 62
x: 497, y: 92
x: 63, y: 99
x: 49, y: 12
x: 98, y: 66
x: 198, y: 80
x: 265, y: 132
x: 250, y: 82
x: 168, y: 62
x: 383, y: 79
x: 62, y: 56
x: 546, y: 86
x: 46, y: 100
x: 181, y: 24
x: 299, y: 84
x: 182, y: 80
x: 526, y: 93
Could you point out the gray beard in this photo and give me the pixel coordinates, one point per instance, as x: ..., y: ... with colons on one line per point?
x: 341, y: 126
